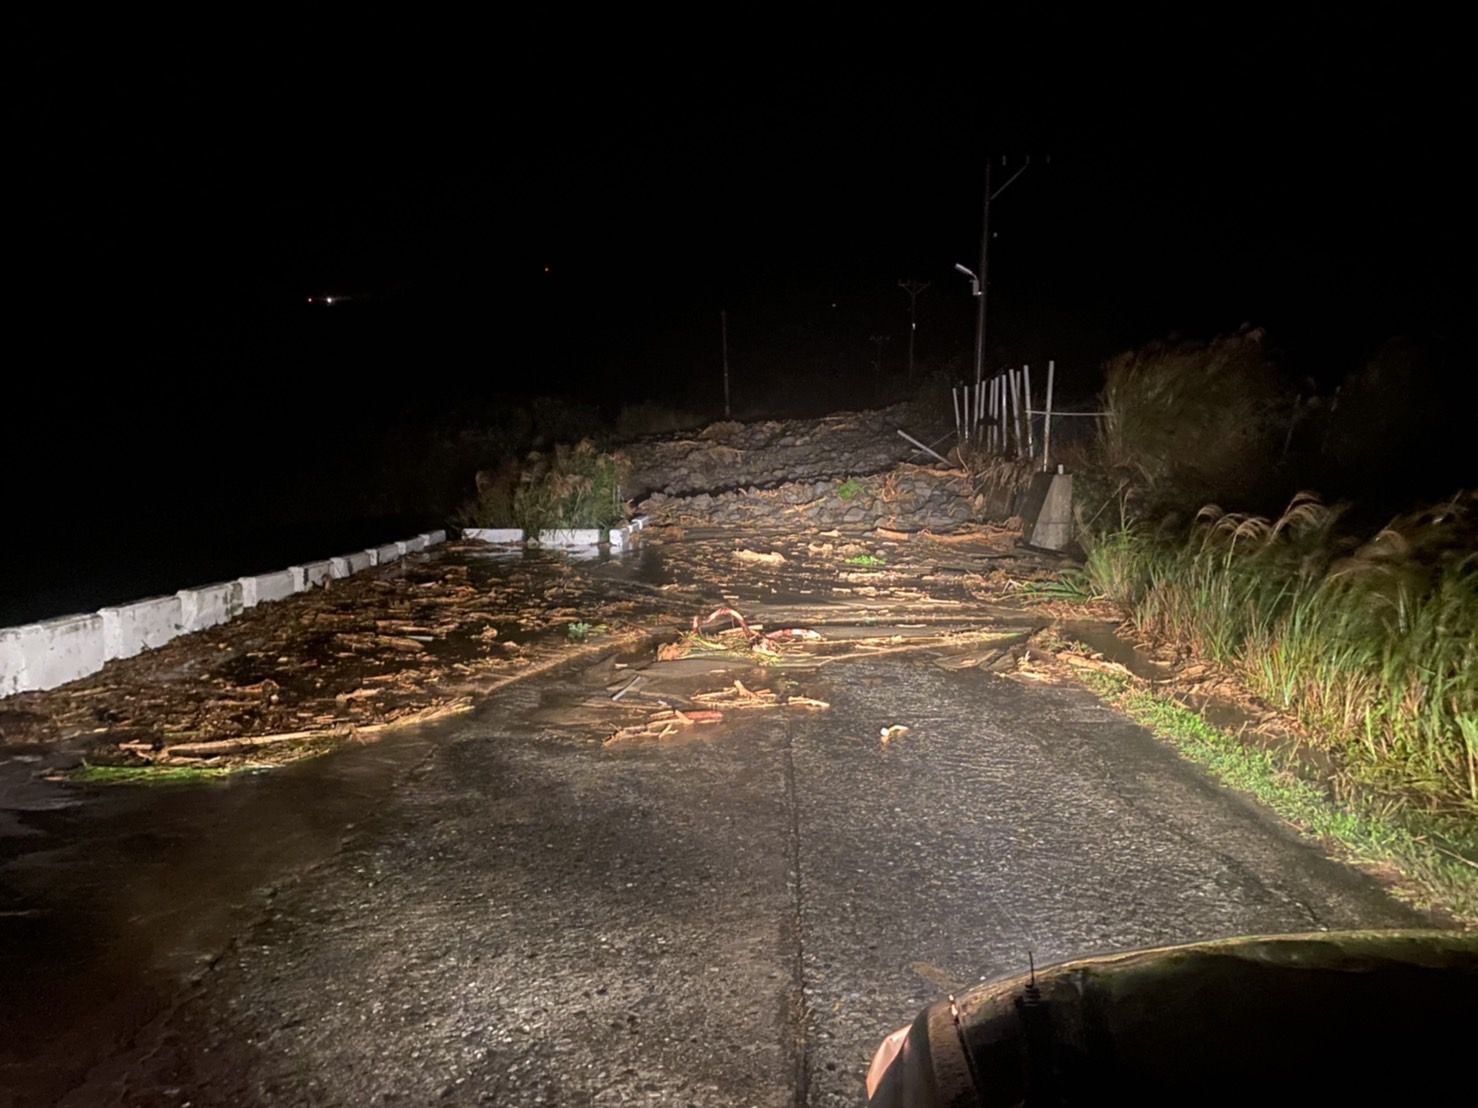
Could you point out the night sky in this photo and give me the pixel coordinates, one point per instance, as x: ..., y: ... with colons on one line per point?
x: 178, y: 189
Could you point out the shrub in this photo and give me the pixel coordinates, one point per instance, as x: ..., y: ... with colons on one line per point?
x: 1191, y: 422
x: 580, y: 488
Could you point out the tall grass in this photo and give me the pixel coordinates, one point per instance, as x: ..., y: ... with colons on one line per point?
x: 1372, y: 644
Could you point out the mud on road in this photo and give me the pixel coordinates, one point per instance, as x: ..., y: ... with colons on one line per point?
x: 508, y: 906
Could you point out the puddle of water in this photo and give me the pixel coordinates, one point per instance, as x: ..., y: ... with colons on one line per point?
x: 107, y: 906
x: 1104, y: 638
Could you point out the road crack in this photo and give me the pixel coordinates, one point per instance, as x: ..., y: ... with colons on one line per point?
x: 797, y: 1012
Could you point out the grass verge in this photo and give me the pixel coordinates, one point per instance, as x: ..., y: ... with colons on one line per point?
x: 1428, y: 851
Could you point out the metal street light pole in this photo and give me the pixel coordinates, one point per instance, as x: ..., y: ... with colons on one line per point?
x: 983, y: 278
x: 983, y: 275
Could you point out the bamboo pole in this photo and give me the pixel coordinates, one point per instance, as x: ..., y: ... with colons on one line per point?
x: 1016, y: 409
x: 1026, y: 388
x: 1010, y: 412
x: 1047, y: 421
x: 991, y: 414
x: 1000, y: 384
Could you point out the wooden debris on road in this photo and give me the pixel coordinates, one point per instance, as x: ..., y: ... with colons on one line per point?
x: 755, y: 557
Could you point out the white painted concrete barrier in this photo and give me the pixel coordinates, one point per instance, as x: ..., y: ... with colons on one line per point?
x: 265, y: 587
x: 580, y: 536
x: 309, y: 574
x: 493, y: 534
x: 12, y: 662
x: 130, y: 629
x: 51, y: 653
x: 209, y: 605
x: 621, y: 539
x: 56, y: 651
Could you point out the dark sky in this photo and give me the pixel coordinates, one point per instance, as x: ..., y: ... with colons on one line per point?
x: 176, y: 189
x: 181, y: 186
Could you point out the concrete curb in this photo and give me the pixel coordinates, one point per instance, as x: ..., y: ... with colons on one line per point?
x: 579, y: 542
x: 493, y: 534
x: 209, y: 605
x: 564, y: 538
x: 52, y: 652
x: 267, y: 586
x: 130, y: 629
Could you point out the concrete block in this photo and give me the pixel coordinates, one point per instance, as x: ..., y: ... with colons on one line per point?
x: 339, y: 568
x: 309, y: 574
x: 265, y: 587
x: 357, y: 562
x: 1053, y: 527
x: 412, y: 545
x: 493, y: 534
x: 11, y: 661
x: 638, y: 522
x: 582, y: 536
x: 209, y: 605
x: 130, y: 629
x: 386, y: 554
x: 435, y: 538
x: 622, y: 539
x: 56, y: 651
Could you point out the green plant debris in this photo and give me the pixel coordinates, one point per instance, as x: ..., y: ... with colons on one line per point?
x: 579, y: 632
x: 1434, y: 854
x: 88, y: 774
x: 867, y: 561
x: 849, y: 489
x: 1072, y: 585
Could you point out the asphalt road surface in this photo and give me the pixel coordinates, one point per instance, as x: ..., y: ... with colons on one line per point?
x: 519, y: 916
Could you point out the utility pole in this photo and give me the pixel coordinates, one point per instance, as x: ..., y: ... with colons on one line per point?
x: 877, y: 362
x: 982, y: 276
x: 723, y: 327
x: 913, y: 288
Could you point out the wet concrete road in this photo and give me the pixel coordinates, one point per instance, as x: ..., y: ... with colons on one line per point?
x: 730, y: 919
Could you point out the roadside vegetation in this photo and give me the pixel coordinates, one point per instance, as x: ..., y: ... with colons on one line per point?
x: 573, y: 486
x: 1364, y: 635
x: 1372, y: 645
